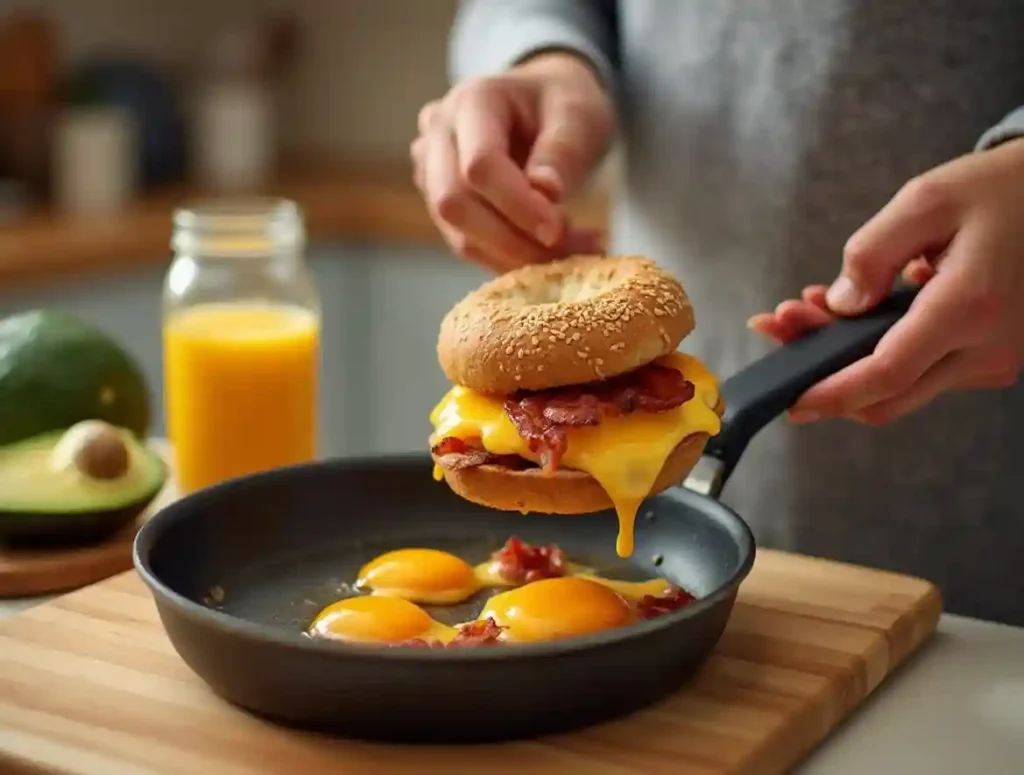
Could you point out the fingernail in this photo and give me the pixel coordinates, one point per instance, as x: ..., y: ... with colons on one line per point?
x: 548, y: 179
x: 801, y: 417
x: 844, y: 296
x: 547, y: 234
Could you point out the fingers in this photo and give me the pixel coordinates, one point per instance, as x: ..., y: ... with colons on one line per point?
x: 936, y: 324
x: 963, y: 370
x: 767, y: 325
x: 919, y: 271
x: 941, y: 377
x: 469, y: 225
x: 792, y: 319
x: 919, y: 220
x: 471, y: 156
x: 482, y: 127
x: 802, y: 316
x: 567, y: 146
x: 815, y: 294
x: 478, y: 196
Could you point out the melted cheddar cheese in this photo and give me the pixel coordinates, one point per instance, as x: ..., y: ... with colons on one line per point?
x: 624, y: 454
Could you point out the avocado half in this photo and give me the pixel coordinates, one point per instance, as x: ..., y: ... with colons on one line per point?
x: 46, y: 496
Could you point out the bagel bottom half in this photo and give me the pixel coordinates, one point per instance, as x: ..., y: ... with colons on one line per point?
x: 564, y: 491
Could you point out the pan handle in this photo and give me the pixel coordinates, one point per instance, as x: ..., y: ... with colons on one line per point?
x: 768, y: 387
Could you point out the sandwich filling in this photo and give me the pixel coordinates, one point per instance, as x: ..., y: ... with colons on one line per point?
x: 619, y: 431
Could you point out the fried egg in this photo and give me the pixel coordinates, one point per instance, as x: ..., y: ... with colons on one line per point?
x: 369, y: 619
x: 558, y: 608
x: 430, y: 576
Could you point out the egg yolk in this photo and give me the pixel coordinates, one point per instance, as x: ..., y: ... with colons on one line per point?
x: 558, y: 608
x: 421, y: 576
x: 377, y: 620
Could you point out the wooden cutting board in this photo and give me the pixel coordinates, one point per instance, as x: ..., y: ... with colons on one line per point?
x: 89, y: 685
x: 27, y: 572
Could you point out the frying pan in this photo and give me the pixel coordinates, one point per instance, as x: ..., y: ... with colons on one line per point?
x: 238, y: 570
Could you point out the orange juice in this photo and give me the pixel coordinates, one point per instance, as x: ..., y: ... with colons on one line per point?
x: 240, y: 384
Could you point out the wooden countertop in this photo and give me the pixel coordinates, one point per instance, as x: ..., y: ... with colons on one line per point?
x: 361, y: 202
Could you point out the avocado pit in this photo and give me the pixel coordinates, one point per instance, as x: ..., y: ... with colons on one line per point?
x: 95, y: 449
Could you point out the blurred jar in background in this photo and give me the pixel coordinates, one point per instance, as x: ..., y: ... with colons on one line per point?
x: 241, y: 325
x: 95, y: 159
x: 235, y: 133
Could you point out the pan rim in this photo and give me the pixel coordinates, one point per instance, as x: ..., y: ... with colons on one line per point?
x: 244, y: 629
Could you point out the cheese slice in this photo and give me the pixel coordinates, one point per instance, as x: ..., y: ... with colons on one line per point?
x: 624, y: 454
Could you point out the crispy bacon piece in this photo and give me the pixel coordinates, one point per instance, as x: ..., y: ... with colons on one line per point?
x: 484, y: 632
x: 456, y: 454
x: 653, y: 606
x: 518, y: 562
x: 542, y: 416
x: 543, y: 436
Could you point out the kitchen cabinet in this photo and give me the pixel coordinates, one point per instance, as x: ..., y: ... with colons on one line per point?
x: 381, y: 309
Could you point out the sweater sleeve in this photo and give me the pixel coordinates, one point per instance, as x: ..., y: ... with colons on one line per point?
x: 490, y: 36
x: 1010, y: 128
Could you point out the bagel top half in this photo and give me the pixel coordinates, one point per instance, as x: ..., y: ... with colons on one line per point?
x: 568, y: 322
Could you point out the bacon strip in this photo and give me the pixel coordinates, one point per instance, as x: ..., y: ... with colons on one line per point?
x: 653, y: 606
x: 520, y: 563
x: 541, y: 417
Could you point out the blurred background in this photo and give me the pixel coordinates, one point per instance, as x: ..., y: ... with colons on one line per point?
x: 114, y: 111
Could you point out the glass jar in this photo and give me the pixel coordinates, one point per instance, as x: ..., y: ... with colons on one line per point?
x: 241, y: 338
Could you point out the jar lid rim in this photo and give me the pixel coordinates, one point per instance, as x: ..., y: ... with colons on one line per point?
x: 235, y: 212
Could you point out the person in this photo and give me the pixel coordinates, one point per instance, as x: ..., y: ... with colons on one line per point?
x: 808, y: 153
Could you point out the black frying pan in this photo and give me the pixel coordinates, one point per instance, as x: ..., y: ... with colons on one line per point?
x: 240, y: 569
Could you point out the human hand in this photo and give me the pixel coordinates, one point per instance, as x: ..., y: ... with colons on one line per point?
x: 496, y: 157
x: 957, y: 231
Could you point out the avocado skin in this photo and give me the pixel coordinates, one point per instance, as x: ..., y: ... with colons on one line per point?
x: 33, y: 529
x: 56, y: 370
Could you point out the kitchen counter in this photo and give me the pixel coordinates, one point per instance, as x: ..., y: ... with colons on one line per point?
x: 374, y: 202
x: 957, y: 707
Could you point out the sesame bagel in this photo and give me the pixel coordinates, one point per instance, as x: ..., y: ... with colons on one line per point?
x: 565, y: 491
x: 568, y: 322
